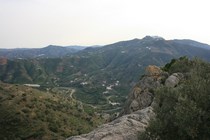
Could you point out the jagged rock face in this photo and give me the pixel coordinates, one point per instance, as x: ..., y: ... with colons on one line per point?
x: 126, y: 127
x: 142, y: 94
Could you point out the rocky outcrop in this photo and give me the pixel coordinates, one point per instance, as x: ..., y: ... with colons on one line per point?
x: 153, y: 71
x: 126, y: 127
x: 143, y: 93
x: 138, y: 109
x: 173, y: 80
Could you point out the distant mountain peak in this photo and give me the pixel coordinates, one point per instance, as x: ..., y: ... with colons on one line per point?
x: 54, y: 46
x: 149, y: 38
x: 136, y: 39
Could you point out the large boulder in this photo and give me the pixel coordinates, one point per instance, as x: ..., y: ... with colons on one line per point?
x: 173, y: 80
x: 126, y: 127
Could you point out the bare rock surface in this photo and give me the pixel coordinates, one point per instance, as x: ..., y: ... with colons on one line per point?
x: 142, y: 94
x: 173, y: 80
x: 126, y: 127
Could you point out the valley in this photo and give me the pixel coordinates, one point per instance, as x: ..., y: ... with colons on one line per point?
x: 73, y: 93
x: 103, y: 75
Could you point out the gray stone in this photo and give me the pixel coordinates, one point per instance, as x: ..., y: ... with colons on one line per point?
x: 126, y: 127
x: 173, y: 80
x: 141, y: 96
x: 134, y: 105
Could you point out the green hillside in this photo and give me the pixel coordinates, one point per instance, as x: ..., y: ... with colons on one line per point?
x: 28, y: 113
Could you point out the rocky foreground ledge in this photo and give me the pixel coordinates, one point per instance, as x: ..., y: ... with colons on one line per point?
x: 126, y: 127
x: 138, y: 109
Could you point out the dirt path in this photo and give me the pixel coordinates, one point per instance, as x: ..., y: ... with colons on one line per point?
x: 71, y: 94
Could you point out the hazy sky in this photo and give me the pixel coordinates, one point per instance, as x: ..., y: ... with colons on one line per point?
x: 38, y: 23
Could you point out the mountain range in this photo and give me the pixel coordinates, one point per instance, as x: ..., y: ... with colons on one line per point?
x: 51, y: 51
x: 74, y: 92
x: 102, y: 75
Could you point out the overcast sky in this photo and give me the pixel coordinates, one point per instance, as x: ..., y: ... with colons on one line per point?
x: 38, y: 23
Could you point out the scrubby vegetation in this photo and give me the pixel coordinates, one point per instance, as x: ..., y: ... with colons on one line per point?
x: 183, y: 112
x: 27, y: 113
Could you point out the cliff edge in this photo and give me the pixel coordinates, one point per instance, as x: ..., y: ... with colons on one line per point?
x: 138, y: 109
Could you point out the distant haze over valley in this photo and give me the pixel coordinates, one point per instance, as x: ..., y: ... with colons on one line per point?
x: 53, y: 51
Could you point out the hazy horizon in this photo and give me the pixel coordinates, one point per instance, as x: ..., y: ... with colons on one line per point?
x: 38, y: 23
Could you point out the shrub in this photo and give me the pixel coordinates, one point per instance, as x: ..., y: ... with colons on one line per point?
x: 183, y: 112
